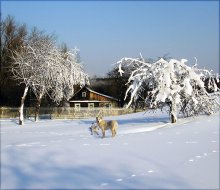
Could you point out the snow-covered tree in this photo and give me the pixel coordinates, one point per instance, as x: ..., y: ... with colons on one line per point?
x: 42, y: 67
x: 43, y: 49
x: 68, y: 73
x: 171, y: 83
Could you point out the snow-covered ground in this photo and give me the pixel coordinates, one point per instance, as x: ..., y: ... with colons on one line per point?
x: 148, y: 152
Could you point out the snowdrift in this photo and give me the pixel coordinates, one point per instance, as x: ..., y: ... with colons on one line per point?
x: 147, y: 153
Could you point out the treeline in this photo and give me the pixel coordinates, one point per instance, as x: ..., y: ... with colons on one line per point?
x: 112, y: 84
x: 13, y: 36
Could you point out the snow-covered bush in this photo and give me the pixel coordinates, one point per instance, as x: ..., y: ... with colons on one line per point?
x: 171, y: 83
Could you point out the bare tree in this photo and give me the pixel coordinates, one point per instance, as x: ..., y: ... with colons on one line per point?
x: 13, y: 37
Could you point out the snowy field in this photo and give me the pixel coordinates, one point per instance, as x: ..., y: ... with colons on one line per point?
x: 147, y: 153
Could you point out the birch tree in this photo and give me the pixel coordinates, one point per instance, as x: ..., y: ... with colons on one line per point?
x: 41, y: 47
x: 171, y: 83
x: 42, y: 68
x: 23, y: 71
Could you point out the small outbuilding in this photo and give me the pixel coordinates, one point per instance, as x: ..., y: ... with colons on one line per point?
x: 88, y: 98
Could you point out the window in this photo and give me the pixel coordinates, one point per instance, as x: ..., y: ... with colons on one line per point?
x: 77, y: 106
x: 83, y: 94
x: 109, y: 105
x: 91, y: 105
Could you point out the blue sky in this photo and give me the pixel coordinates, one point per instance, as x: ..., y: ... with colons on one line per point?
x: 107, y: 31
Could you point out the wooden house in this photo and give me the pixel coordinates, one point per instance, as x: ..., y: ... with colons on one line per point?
x: 88, y: 98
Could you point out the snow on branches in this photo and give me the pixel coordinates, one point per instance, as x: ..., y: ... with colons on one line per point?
x: 43, y: 67
x: 171, y: 83
x: 68, y: 72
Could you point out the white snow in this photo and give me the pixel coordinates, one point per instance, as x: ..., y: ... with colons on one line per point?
x: 147, y: 153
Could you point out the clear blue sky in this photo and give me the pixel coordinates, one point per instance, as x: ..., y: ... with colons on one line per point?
x: 107, y: 31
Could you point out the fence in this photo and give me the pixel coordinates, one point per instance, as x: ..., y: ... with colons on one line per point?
x: 64, y: 112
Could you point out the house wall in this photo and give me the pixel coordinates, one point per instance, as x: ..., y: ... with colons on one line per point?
x: 78, y: 96
x: 92, y: 96
x: 96, y: 104
x: 84, y: 104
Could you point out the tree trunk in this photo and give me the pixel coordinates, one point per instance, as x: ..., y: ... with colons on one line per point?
x: 37, y: 110
x: 21, y: 109
x: 173, y: 118
x: 173, y: 113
